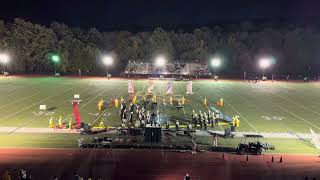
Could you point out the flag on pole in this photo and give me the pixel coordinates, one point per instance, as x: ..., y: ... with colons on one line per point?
x: 189, y: 87
x: 131, y: 86
x: 169, y: 87
x: 150, y: 86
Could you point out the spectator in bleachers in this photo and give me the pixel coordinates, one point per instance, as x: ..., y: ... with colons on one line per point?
x: 139, y: 67
x: 6, y: 175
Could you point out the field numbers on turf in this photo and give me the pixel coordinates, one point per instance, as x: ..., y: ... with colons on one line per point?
x: 97, y: 114
x: 42, y: 113
x: 94, y: 114
x: 273, y: 118
x: 106, y: 114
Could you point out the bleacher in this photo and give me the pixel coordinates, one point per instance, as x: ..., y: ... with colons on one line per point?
x: 140, y: 67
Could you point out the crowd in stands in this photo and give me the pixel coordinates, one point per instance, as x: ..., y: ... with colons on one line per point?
x: 199, y: 69
x: 136, y: 67
x: 177, y: 68
x: 23, y: 175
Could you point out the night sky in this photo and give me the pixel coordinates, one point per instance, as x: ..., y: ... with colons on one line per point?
x: 120, y: 14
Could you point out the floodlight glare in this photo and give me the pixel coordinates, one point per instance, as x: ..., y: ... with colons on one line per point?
x: 107, y: 60
x: 160, y: 61
x: 4, y: 58
x: 55, y: 58
x: 215, y: 62
x: 264, y: 63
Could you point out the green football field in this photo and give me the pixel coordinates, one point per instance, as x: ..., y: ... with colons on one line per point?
x: 262, y: 107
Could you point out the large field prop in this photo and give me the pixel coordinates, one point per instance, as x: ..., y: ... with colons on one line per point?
x: 76, y: 114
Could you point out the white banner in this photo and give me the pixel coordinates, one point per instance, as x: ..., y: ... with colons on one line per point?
x: 170, y: 87
x: 130, y: 86
x: 315, y: 139
x: 189, y: 87
x: 150, y: 86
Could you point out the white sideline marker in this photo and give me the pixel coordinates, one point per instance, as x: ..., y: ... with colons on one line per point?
x: 43, y: 107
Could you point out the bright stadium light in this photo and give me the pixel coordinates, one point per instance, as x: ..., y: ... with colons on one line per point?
x: 160, y: 61
x: 55, y: 58
x: 4, y: 58
x: 265, y: 63
x: 107, y: 60
x: 215, y: 62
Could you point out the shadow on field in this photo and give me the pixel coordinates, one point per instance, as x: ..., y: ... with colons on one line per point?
x: 51, y: 108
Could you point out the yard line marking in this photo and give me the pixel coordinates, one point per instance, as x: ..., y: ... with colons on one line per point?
x: 31, y: 121
x: 292, y: 113
x: 10, y: 115
x: 23, y: 126
x: 99, y: 116
x: 234, y: 109
x: 255, y: 106
x: 282, y: 123
x: 86, y: 104
x: 288, y: 111
x: 61, y: 102
x: 293, y: 102
x: 243, y: 117
x: 82, y: 106
x: 184, y: 112
x: 21, y: 99
x: 12, y: 91
x: 209, y: 109
x: 113, y: 94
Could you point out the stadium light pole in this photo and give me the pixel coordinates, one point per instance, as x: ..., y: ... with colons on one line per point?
x: 264, y: 64
x: 4, y: 60
x: 215, y: 63
x: 55, y: 58
x: 160, y: 61
x: 107, y: 60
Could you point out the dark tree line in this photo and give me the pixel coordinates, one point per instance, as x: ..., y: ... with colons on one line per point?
x: 295, y: 48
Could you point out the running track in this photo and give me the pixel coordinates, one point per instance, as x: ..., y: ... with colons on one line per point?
x: 154, y: 164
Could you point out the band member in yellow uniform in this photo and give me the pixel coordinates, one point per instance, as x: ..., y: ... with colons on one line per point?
x: 70, y: 123
x: 100, y: 104
x: 183, y: 100
x: 116, y: 103
x: 205, y: 102
x: 221, y: 102
x: 51, y: 122
x: 164, y: 101
x: 134, y: 100
x: 237, y: 121
x: 170, y: 100
x: 60, y: 122
x: 154, y: 99
x: 101, y: 124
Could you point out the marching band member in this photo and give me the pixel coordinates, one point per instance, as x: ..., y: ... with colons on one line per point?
x: 60, y: 122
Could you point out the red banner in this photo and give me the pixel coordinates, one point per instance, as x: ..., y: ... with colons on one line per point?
x: 76, y: 113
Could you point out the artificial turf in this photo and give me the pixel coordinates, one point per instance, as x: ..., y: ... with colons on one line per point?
x: 262, y: 107
x: 47, y: 140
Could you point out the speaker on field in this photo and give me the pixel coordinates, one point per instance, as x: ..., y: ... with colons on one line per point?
x: 152, y: 134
